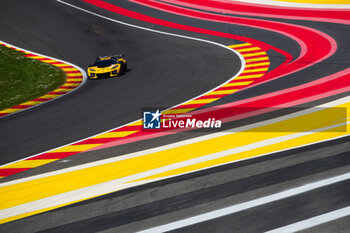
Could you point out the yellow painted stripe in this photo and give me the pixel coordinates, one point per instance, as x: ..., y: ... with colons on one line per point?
x: 51, y: 61
x: 62, y: 65
x: 239, y: 45
x: 162, y: 120
x: 258, y: 64
x: 49, y: 96
x: 74, y: 79
x: 70, y: 85
x: 76, y: 148
x: 31, y: 213
x: 237, y: 84
x: 36, y: 57
x: 249, y: 76
x: 303, y: 123
x: 136, y: 123
x: 253, y: 54
x: 32, y: 102
x: 119, y: 134
x: 20, y: 193
x: 257, y: 59
x: 25, y: 192
x: 10, y: 110
x: 178, y: 111
x: 251, y: 153
x: 255, y: 70
x: 29, y: 163
x: 62, y: 90
x: 248, y: 49
x: 201, y: 101
x: 73, y: 74
x: 222, y: 92
x: 70, y: 69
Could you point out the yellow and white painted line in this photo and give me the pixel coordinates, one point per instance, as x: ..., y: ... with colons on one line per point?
x: 31, y: 195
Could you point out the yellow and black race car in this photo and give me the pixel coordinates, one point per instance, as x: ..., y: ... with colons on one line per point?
x: 107, y: 66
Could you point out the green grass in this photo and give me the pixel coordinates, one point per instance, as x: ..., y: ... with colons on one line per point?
x: 23, y: 79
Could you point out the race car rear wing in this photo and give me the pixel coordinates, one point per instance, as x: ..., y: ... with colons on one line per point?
x: 101, y: 58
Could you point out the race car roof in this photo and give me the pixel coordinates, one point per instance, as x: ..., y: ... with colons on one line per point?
x: 101, y: 58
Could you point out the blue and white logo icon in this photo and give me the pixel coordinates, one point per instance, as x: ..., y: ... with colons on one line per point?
x: 151, y: 120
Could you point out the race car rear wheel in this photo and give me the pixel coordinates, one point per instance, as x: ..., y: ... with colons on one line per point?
x: 125, y: 67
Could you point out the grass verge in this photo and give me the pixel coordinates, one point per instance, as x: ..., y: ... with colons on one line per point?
x: 23, y: 79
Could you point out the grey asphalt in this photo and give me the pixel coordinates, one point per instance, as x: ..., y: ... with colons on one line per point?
x: 89, y: 110
x: 165, y: 201
x: 163, y: 71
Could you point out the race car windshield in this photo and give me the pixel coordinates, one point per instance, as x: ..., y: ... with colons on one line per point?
x: 104, y: 63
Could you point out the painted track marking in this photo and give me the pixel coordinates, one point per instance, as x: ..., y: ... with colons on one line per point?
x: 314, y: 221
x: 75, y: 78
x: 80, y: 146
x: 47, y: 191
x: 251, y: 204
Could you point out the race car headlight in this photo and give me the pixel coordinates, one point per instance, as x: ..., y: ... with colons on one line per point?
x: 91, y: 69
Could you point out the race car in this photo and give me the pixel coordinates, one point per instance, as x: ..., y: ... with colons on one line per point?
x: 107, y: 66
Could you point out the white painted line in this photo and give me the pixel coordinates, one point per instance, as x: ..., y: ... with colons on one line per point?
x: 314, y: 221
x: 197, y: 139
x: 38, y: 54
x: 296, y: 4
x: 126, y: 182
x: 246, y: 205
x: 151, y: 30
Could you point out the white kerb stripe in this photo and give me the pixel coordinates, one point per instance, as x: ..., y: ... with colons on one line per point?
x: 246, y: 205
x: 183, y: 143
x: 118, y: 184
x: 314, y: 221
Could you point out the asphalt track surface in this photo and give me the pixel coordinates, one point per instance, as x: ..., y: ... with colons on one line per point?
x: 160, y: 67
x: 89, y: 111
x: 176, y: 198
